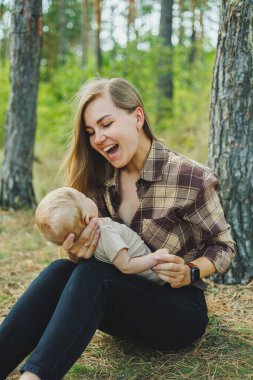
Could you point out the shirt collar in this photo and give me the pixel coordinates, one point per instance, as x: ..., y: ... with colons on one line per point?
x: 153, y: 167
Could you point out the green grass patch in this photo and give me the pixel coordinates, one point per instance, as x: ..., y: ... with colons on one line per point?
x: 79, y: 371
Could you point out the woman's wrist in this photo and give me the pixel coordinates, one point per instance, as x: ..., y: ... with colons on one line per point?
x: 187, y: 275
x: 206, y: 267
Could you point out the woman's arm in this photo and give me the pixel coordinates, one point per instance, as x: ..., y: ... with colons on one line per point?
x: 210, y: 231
x: 209, y: 227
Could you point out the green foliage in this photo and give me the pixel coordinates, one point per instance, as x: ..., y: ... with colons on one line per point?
x: 4, y: 95
x: 186, y: 130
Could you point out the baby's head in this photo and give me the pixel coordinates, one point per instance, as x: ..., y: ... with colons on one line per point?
x: 64, y: 211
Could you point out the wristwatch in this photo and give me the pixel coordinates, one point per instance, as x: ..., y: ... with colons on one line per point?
x: 195, y: 273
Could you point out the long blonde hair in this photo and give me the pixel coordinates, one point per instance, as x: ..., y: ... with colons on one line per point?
x: 84, y: 168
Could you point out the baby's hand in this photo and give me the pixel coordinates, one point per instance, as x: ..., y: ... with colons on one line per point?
x: 158, y: 254
x: 84, y: 247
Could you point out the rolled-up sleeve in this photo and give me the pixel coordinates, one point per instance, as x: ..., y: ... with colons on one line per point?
x: 210, y: 230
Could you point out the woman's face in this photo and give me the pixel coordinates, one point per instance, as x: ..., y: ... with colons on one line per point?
x: 112, y: 131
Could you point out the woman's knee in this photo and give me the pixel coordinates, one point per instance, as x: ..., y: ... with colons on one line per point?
x: 59, y: 267
x: 95, y: 270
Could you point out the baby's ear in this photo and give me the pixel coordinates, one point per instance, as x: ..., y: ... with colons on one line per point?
x: 87, y: 218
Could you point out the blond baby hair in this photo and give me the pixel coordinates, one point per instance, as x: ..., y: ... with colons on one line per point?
x: 59, y: 214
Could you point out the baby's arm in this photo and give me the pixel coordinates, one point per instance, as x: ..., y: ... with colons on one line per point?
x: 134, y: 265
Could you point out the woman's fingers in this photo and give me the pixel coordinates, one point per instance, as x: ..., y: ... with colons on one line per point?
x: 172, y: 267
x: 93, y: 244
x: 165, y: 257
x: 69, y: 242
x: 175, y: 282
x: 85, y: 245
x: 86, y: 252
x: 90, y: 238
x: 85, y: 238
x: 178, y: 275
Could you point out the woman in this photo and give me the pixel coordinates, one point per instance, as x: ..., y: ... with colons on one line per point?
x: 168, y: 199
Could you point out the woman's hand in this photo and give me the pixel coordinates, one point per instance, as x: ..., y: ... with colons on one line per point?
x: 172, y: 269
x: 85, y: 245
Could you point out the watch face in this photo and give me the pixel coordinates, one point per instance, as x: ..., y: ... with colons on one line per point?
x: 195, y: 274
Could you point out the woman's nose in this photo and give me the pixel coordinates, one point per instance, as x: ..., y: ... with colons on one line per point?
x: 99, y: 138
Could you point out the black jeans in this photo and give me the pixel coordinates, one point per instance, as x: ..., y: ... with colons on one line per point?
x: 59, y: 313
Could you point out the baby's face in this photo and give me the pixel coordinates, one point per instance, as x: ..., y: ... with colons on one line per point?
x: 89, y: 208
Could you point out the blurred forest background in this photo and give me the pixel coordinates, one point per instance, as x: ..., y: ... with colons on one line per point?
x: 83, y: 39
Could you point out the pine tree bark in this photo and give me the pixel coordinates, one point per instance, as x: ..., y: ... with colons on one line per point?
x: 16, y: 176
x: 231, y: 133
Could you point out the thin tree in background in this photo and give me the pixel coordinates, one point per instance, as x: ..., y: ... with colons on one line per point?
x: 131, y: 19
x: 181, y: 31
x: 231, y: 133
x: 193, y: 50
x: 111, y: 30
x: 4, y: 6
x: 201, y: 23
x: 98, y: 6
x: 63, y: 36
x: 85, y: 31
x: 16, y: 176
x: 165, y: 63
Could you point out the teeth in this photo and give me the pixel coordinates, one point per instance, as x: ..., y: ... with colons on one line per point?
x: 108, y: 147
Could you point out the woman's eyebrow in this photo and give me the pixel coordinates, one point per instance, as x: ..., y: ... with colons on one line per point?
x: 99, y: 120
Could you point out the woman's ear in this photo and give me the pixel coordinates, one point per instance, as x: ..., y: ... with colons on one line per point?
x: 140, y: 117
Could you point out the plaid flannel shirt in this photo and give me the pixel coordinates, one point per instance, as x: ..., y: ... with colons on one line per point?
x: 179, y: 208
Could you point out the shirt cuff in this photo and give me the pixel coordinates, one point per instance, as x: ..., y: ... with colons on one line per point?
x: 221, y: 257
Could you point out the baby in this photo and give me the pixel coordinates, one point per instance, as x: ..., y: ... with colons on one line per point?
x: 66, y: 210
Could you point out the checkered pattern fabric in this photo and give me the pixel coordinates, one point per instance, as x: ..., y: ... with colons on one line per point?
x: 179, y: 208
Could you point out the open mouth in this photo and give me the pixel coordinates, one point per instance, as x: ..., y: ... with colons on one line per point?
x: 111, y: 150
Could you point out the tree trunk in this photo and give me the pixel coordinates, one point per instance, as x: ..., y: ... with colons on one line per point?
x: 98, y: 6
x: 63, y: 37
x: 3, y: 47
x: 85, y: 31
x: 201, y: 24
x: 131, y: 19
x: 26, y: 33
x: 165, y: 69
x: 181, y: 22
x: 5, y: 29
x: 192, y: 54
x: 231, y: 134
x: 111, y: 31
